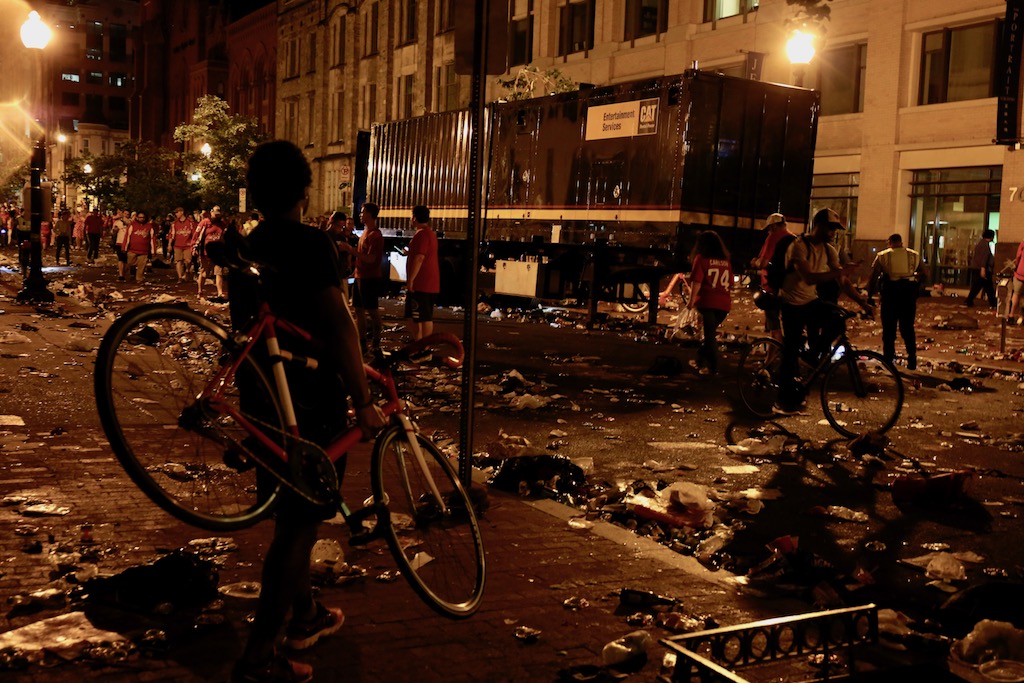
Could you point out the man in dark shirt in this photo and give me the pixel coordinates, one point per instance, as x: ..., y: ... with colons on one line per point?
x: 982, y: 263
x: 300, y: 281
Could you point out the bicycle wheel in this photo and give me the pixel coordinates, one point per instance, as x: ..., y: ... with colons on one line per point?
x: 151, y: 366
x: 861, y: 393
x: 758, y: 376
x: 642, y: 302
x: 439, y: 552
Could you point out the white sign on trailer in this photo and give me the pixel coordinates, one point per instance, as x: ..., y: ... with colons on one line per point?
x: 622, y: 119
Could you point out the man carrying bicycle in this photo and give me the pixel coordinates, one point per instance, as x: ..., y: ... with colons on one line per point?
x: 300, y: 281
x: 811, y: 260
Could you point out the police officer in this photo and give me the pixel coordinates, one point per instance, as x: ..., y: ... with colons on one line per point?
x: 895, y: 270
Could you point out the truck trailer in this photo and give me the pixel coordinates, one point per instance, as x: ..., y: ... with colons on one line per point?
x: 598, y: 194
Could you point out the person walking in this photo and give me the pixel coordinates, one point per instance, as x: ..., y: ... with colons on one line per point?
x: 182, y: 234
x: 369, y: 277
x: 895, y: 271
x: 93, y: 231
x: 982, y: 264
x: 139, y: 244
x: 806, y: 317
x: 301, y: 283
x: 778, y: 233
x: 208, y: 232
x: 120, y: 227
x: 423, y: 276
x: 710, y: 282
x: 62, y: 228
x: 1017, y: 284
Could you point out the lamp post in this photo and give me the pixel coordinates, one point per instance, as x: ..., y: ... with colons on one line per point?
x: 63, y: 140
x: 35, y: 35
x: 800, y: 50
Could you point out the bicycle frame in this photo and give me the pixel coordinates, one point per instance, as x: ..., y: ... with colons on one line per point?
x: 266, y: 327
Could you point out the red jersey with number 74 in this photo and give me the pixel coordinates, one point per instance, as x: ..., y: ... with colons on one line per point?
x: 715, y: 278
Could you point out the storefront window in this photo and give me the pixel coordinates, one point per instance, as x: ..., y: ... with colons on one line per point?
x: 837, y: 191
x: 950, y: 209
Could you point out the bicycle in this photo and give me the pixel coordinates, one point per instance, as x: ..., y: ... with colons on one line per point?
x: 167, y: 386
x: 858, y: 384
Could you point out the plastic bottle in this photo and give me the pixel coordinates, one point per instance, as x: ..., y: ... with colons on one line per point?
x: 840, y: 512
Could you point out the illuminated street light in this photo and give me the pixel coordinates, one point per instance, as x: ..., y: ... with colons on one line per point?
x: 35, y: 35
x: 87, y: 168
x: 800, y: 50
x: 61, y: 138
x: 206, y: 150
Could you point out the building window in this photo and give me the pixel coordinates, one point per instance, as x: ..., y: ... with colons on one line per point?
x: 71, y: 76
x: 311, y: 117
x: 958, y: 64
x: 407, y: 21
x: 117, y: 103
x: 445, y: 15
x: 117, y: 42
x: 370, y: 105
x: 838, y: 191
x: 69, y: 99
x: 576, y: 27
x: 94, y: 77
x: 94, y: 107
x: 371, y: 25
x: 339, y: 115
x: 291, y: 120
x: 841, y: 79
x: 645, y: 18
x: 520, y: 48
x: 119, y: 80
x: 950, y: 209
x: 405, y: 95
x: 291, y: 59
x: 94, y: 40
x: 339, y: 43
x: 720, y: 9
x: 446, y: 88
x: 311, y: 68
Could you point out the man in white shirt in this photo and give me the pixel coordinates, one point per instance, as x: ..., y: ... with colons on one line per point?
x: 895, y: 270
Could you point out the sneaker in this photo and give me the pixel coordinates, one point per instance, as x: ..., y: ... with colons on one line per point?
x: 301, y: 635
x: 780, y: 409
x: 277, y: 669
x: 911, y: 364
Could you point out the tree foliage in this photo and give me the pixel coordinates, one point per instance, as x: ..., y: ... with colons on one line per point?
x: 809, y: 14
x: 138, y: 176
x: 232, y: 139
x: 530, y: 81
x: 13, y: 179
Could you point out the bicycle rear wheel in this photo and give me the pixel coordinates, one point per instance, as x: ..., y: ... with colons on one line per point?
x: 861, y: 393
x: 758, y: 376
x: 152, y: 365
x: 440, y: 552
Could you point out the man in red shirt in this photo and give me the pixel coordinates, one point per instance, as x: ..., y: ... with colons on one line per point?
x: 183, y: 229
x: 423, y: 281
x: 139, y: 244
x: 369, y: 276
x: 93, y: 230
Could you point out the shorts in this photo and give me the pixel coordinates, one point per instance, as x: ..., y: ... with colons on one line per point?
x: 367, y: 293
x: 773, y: 319
x: 209, y: 268
x: 122, y: 255
x: 419, y: 306
x: 183, y: 255
x: 1018, y: 286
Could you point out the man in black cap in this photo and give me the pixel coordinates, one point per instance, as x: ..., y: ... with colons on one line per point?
x: 810, y: 261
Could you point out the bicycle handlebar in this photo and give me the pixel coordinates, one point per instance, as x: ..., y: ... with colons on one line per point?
x: 436, y: 340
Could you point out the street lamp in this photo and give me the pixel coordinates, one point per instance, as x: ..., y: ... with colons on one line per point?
x: 35, y: 35
x: 63, y: 140
x: 206, y: 150
x: 800, y: 50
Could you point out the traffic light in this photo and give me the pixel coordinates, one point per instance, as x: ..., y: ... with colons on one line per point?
x: 496, y: 28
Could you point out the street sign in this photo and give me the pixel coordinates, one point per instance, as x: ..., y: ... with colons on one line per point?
x: 241, y: 199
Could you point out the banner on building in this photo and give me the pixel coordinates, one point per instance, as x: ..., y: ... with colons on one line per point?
x: 752, y: 67
x: 1008, y: 75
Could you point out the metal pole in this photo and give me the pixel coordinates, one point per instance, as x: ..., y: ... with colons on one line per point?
x: 474, y: 229
x: 34, y: 288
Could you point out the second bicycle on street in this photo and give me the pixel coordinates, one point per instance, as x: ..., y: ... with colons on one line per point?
x: 860, y: 391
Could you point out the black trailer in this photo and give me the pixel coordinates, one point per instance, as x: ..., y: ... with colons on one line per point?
x: 595, y: 193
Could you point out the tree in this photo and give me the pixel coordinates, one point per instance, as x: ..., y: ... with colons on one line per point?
x: 102, y: 181
x: 810, y: 14
x: 526, y: 82
x: 13, y: 179
x: 232, y: 139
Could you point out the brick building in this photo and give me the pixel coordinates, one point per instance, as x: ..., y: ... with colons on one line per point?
x: 908, y: 106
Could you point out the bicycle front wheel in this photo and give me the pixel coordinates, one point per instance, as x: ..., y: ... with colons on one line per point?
x: 152, y: 365
x: 861, y: 393
x: 758, y: 376
x: 437, y: 546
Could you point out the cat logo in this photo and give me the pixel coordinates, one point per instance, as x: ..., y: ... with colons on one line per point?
x: 648, y: 123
